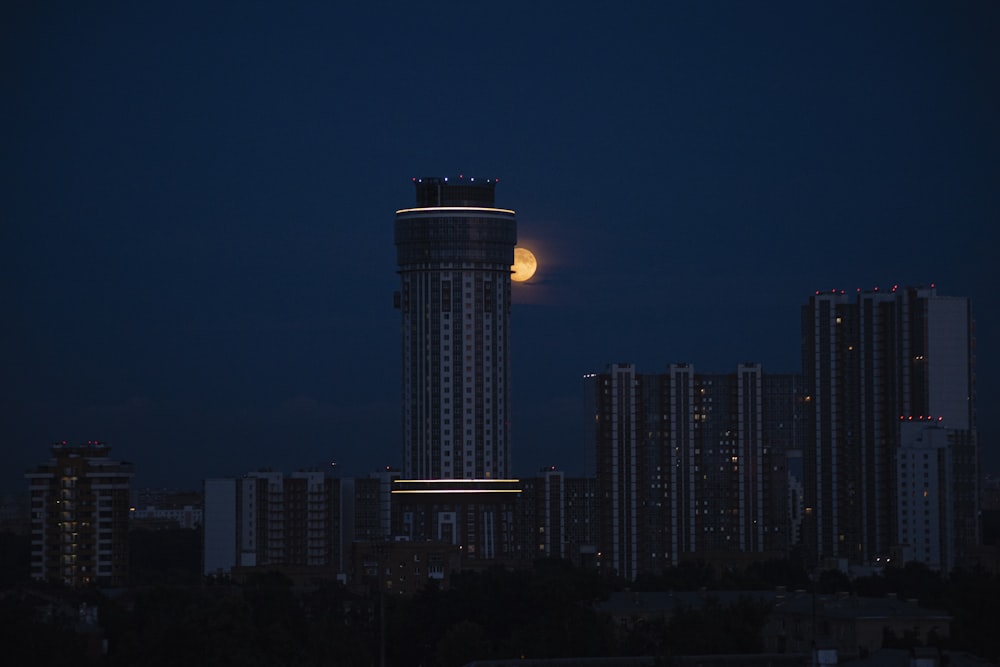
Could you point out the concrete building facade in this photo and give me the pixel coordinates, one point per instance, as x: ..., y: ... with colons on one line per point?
x: 79, y: 504
x: 869, y: 359
x: 304, y: 520
x: 936, y: 493
x: 691, y: 464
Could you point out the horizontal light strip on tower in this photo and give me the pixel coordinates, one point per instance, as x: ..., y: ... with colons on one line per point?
x: 454, y: 208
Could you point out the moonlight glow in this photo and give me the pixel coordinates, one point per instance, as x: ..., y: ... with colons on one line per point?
x: 524, y: 265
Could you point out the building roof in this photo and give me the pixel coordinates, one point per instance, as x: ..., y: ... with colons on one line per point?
x: 898, y: 657
x: 839, y: 605
x: 637, y: 602
x: 842, y: 605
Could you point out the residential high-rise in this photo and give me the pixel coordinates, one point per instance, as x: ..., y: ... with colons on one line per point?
x: 542, y: 516
x: 455, y: 249
x: 622, y: 474
x: 869, y: 359
x: 555, y: 518
x: 454, y: 252
x: 691, y: 465
x: 79, y: 516
x: 304, y: 520
x: 936, y: 494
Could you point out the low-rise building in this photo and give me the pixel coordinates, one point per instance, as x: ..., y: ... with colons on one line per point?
x: 305, y: 520
x: 403, y: 567
x: 852, y: 625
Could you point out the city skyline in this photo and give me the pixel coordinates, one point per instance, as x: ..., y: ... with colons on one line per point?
x: 199, y: 266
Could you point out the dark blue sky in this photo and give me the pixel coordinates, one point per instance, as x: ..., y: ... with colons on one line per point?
x: 198, y: 202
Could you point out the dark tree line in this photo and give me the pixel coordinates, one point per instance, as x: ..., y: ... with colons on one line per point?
x: 542, y: 613
x: 971, y: 597
x: 165, y: 557
x: 547, y: 611
x: 260, y: 623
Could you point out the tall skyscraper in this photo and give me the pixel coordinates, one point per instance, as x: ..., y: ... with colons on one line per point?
x: 79, y: 516
x: 869, y: 361
x: 454, y: 251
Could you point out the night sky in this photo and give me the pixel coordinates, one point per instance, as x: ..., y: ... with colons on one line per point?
x: 198, y: 204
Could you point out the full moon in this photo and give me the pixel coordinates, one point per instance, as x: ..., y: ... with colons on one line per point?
x: 524, y: 265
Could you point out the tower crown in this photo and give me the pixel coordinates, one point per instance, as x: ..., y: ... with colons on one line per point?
x: 461, y: 191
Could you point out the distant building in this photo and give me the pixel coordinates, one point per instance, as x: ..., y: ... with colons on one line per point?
x: 581, y: 530
x: 556, y: 518
x: 157, y: 509
x: 219, y: 540
x: 79, y: 504
x: 853, y: 626
x: 14, y: 514
x: 936, y: 494
x: 868, y: 359
x: 630, y: 609
x: 796, y: 495
x: 542, y: 516
x: 301, y: 520
x: 402, y: 567
x: 475, y: 515
x: 691, y: 464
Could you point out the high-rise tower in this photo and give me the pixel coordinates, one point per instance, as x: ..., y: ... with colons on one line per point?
x: 79, y: 516
x: 454, y: 251
x: 870, y: 361
x: 690, y: 464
